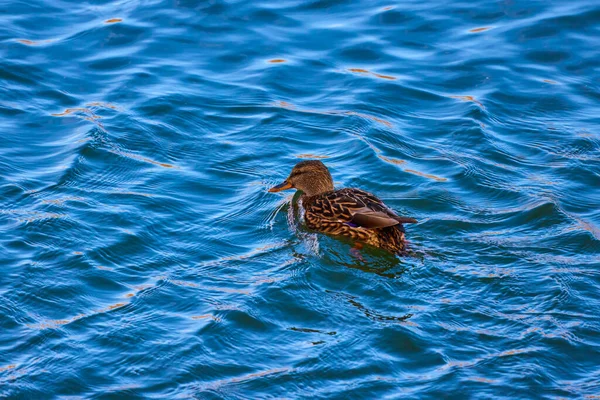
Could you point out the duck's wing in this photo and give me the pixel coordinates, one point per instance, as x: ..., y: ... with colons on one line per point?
x: 360, y: 208
x: 368, y: 218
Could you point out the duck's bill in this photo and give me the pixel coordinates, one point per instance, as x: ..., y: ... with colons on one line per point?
x: 282, y: 186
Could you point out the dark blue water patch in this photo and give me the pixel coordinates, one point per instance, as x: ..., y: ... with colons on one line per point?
x: 144, y: 257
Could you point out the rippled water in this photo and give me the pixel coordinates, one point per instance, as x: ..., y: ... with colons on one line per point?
x: 142, y: 256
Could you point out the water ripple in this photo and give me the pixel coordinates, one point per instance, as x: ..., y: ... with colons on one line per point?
x: 144, y: 257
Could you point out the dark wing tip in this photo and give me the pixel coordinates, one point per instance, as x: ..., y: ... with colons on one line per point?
x: 406, y: 220
x: 373, y: 219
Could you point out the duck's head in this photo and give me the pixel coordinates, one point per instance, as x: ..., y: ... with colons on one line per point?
x: 312, y: 177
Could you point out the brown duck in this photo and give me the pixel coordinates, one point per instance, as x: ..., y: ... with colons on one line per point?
x: 348, y: 212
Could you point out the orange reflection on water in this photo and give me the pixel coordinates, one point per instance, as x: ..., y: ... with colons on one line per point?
x: 52, y: 324
x: 391, y: 78
x: 482, y: 29
x: 482, y: 380
x: 83, y: 113
x: 512, y: 352
x: 34, y: 42
x: 71, y: 111
x: 101, y: 104
x: 285, y: 104
x: 468, y: 98
x: 113, y: 306
x: 371, y: 117
x: 184, y: 283
x: 11, y: 366
x: 364, y: 71
x: 435, y: 178
x: 391, y: 160
x: 550, y: 81
x: 89, y: 114
x: 113, y: 20
x: 277, y: 60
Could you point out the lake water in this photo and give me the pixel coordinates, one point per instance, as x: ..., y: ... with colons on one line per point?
x: 143, y: 257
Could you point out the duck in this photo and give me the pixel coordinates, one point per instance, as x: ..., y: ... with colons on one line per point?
x: 347, y: 212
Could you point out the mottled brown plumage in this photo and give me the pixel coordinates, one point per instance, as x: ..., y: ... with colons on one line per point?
x: 346, y: 212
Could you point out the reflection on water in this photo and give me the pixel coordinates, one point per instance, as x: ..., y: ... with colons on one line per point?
x: 311, y: 156
x: 289, y: 106
x: 468, y: 98
x: 364, y: 71
x: 482, y: 29
x: 34, y: 42
x: 141, y: 158
x: 143, y: 257
x: 53, y: 324
x: 372, y: 314
x: 391, y: 160
x: 429, y: 176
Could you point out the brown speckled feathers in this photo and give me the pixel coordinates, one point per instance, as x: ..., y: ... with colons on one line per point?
x: 348, y: 212
x: 357, y: 214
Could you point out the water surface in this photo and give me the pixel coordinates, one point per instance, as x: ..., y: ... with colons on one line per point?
x: 143, y: 257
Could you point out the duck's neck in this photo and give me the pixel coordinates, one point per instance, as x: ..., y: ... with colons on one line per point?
x: 313, y: 195
x: 318, y: 188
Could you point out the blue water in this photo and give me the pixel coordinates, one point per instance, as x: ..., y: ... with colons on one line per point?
x: 142, y: 256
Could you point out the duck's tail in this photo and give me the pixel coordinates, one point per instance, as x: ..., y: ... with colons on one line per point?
x: 392, y: 239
